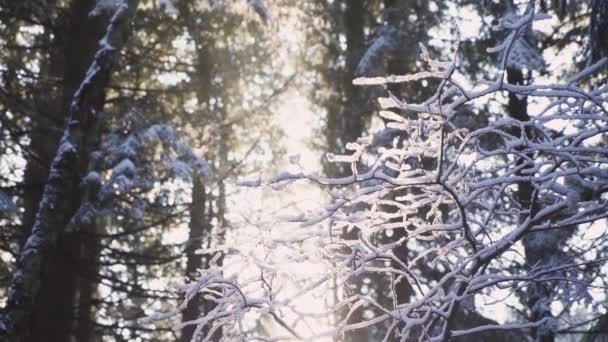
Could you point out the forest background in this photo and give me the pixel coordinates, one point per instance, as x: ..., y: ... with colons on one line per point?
x: 127, y: 128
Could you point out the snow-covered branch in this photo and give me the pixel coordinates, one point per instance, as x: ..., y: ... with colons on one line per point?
x: 446, y: 193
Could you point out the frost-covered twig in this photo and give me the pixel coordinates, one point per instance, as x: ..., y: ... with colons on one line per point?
x: 447, y: 194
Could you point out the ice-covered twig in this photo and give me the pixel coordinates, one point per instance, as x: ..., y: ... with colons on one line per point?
x: 435, y: 207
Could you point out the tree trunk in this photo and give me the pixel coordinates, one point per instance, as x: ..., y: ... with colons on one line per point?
x: 355, y: 117
x: 60, y: 197
x: 54, y: 314
x: 52, y: 318
x: 201, y: 211
x: 348, y: 122
x: 198, y: 227
x: 81, y: 34
x: 90, y: 249
x: 538, y: 295
x: 599, y: 332
x: 598, y: 30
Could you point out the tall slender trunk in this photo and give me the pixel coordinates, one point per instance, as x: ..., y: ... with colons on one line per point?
x: 538, y: 295
x: 348, y: 123
x: 356, y: 110
x: 355, y: 114
x: 87, y: 284
x: 198, y: 227
x: 203, y: 212
x: 53, y: 318
x: 75, y: 49
x: 38, y: 260
x: 598, y: 30
x: 47, y: 126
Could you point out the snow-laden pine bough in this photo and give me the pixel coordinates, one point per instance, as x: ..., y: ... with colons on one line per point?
x: 67, y: 167
x: 438, y: 206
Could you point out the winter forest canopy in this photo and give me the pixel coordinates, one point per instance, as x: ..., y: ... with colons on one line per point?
x: 319, y: 170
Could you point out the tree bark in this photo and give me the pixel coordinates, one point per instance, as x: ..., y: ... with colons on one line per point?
x: 197, y: 228
x: 346, y: 122
x: 598, y: 30
x: 208, y: 209
x: 599, y: 332
x: 354, y: 119
x: 538, y: 295
x: 53, y: 316
x: 67, y: 168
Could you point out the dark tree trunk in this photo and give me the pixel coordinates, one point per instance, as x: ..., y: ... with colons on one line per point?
x: 354, y: 111
x: 599, y: 331
x: 349, y: 124
x: 208, y: 209
x: 538, y: 295
x: 355, y: 117
x: 598, y: 30
x: 60, y: 199
x: 90, y: 249
x: 75, y: 48
x: 198, y: 227
x: 53, y: 316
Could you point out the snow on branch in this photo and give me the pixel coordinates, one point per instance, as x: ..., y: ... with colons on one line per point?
x: 67, y: 167
x: 260, y: 9
x: 445, y: 194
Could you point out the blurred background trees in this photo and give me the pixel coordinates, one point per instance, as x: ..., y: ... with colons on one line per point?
x: 204, y: 69
x: 191, y: 106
